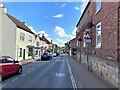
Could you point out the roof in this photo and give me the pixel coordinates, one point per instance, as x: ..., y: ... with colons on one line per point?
x: 73, y: 39
x: 19, y: 24
x: 83, y: 14
x: 44, y: 39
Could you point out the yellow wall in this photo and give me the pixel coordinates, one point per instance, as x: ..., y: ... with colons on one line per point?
x: 23, y: 44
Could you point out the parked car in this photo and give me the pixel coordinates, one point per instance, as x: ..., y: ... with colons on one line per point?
x: 9, y: 66
x: 54, y: 54
x: 57, y: 53
x: 45, y: 56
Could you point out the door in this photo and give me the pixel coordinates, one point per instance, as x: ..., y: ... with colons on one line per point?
x: 23, y: 54
x: 10, y: 67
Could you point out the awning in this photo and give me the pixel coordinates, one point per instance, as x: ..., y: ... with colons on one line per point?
x: 30, y: 46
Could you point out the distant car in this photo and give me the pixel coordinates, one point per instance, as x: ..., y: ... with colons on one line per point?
x: 46, y: 56
x: 57, y: 53
x: 54, y: 54
x: 9, y: 66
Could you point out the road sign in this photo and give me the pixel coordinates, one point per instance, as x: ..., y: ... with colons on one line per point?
x: 87, y: 36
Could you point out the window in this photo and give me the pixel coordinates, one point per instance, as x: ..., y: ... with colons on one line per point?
x: 22, y: 36
x: 36, y: 52
x: 30, y: 38
x: 37, y: 43
x: 98, y: 5
x: 10, y: 60
x: 2, y: 60
x: 84, y: 43
x: 20, y: 52
x: 98, y: 35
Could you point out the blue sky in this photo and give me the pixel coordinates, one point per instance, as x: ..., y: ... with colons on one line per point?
x: 57, y: 20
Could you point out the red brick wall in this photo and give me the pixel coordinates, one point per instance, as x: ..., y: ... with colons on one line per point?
x: 73, y: 43
x: 108, y: 16
x: 119, y: 32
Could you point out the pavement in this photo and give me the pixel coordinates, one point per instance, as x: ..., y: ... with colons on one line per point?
x: 25, y: 62
x: 85, y: 78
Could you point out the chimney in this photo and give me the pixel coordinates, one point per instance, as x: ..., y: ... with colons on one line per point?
x: 42, y: 35
x: 1, y: 5
x: 2, y: 8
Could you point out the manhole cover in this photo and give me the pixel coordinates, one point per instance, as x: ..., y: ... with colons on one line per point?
x: 60, y: 74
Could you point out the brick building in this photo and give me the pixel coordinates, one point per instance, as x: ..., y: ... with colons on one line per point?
x: 73, y: 43
x: 102, y: 20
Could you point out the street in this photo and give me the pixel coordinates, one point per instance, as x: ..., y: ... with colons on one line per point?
x: 56, y: 73
x: 43, y: 74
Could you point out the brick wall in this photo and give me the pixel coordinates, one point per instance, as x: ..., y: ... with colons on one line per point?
x: 103, y: 61
x: 108, y: 16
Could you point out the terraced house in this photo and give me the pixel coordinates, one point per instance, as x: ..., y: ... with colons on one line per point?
x: 102, y: 21
x: 17, y: 39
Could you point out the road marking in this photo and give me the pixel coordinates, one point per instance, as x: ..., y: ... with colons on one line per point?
x: 60, y: 74
x: 60, y: 60
x: 2, y: 86
x: 72, y: 77
x: 14, y: 79
x: 23, y: 74
x: 29, y: 71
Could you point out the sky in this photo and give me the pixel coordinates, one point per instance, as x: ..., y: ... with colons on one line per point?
x: 56, y: 20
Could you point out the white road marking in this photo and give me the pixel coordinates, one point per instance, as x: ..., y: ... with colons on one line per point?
x: 29, y: 72
x: 14, y: 79
x: 33, y: 69
x: 60, y: 74
x: 2, y: 86
x: 72, y: 77
x: 60, y: 60
x: 23, y: 74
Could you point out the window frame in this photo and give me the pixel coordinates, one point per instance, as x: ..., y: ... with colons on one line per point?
x: 98, y: 45
x: 98, y: 8
x: 22, y: 36
x: 30, y: 38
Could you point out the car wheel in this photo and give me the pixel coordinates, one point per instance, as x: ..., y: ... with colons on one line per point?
x: 19, y: 70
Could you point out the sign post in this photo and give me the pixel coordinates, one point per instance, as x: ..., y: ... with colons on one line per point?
x: 87, y: 38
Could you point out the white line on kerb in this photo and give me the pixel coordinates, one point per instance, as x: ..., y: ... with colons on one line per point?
x: 2, y: 86
x: 23, y: 75
x: 29, y: 71
x: 14, y: 79
x: 72, y: 77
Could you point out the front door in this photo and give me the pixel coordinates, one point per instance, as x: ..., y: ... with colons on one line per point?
x: 23, y: 54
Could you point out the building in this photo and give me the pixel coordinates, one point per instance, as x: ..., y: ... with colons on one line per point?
x: 38, y: 47
x: 100, y: 22
x: 73, y: 44
x: 17, y: 40
x: 46, y: 44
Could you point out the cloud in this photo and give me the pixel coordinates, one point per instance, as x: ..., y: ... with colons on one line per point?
x: 84, y: 3
x: 31, y: 28
x: 45, y: 34
x: 58, y: 16
x: 63, y: 5
x: 76, y: 8
x: 61, y: 33
x: 61, y: 42
x: 74, y: 31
